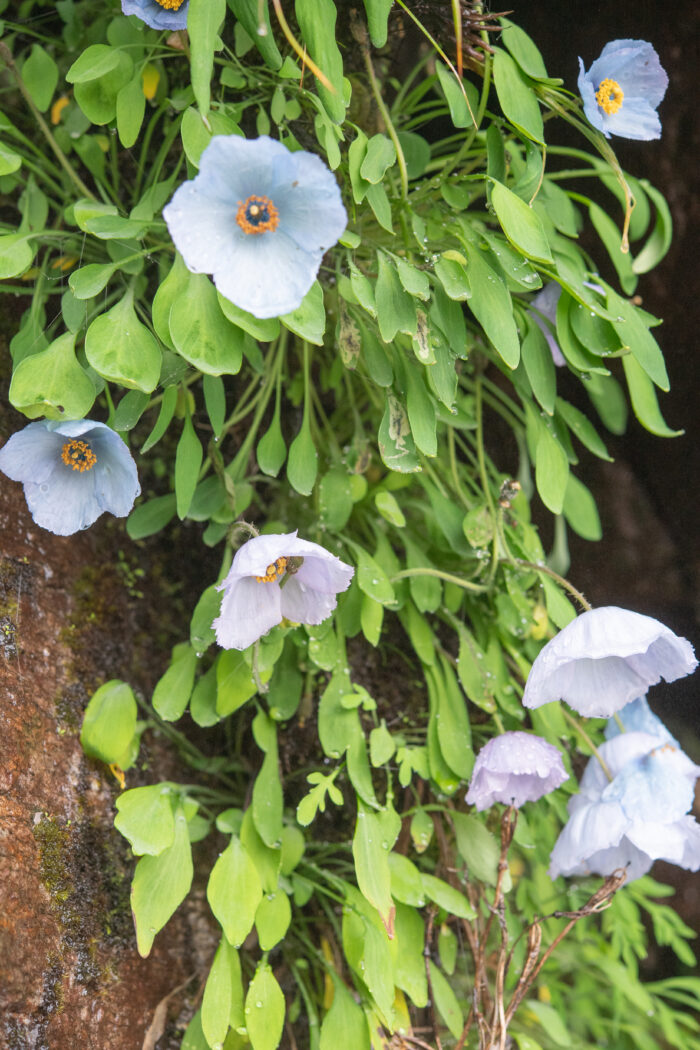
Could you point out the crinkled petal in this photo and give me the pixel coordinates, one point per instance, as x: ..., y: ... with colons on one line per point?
x: 594, y: 827
x: 116, y: 476
x: 636, y: 119
x: 327, y: 573
x: 678, y: 843
x: 65, y: 502
x: 606, y: 658
x: 248, y: 611
x: 31, y: 454
x: 310, y: 206
x: 635, y: 65
x: 659, y: 786
x: 590, y: 105
x: 515, y: 768
x: 257, y: 553
x: 155, y: 16
x: 546, y: 302
x: 303, y: 604
x: 203, y: 228
x: 616, y: 753
x: 267, y: 275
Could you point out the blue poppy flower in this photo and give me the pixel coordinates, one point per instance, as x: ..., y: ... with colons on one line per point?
x: 637, y: 817
x: 622, y: 89
x: 158, y: 14
x: 259, y: 218
x: 604, y: 659
x: 72, y: 472
x: 638, y: 717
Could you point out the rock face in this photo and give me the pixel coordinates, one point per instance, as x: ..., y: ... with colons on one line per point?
x: 70, y: 975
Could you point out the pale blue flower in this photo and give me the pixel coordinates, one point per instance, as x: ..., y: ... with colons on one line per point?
x: 606, y: 658
x: 637, y: 817
x: 259, y: 218
x: 72, y: 472
x: 514, y: 768
x: 622, y: 89
x: 277, y: 577
x: 158, y: 14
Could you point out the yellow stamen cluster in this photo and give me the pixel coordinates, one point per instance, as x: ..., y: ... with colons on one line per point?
x: 171, y: 5
x: 78, y: 456
x: 274, y: 571
x: 609, y: 96
x: 257, y: 215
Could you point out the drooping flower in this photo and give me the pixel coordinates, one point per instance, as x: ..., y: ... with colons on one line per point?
x: 259, y: 218
x: 546, y: 302
x: 514, y: 768
x: 622, y: 89
x: 637, y: 817
x: 606, y: 658
x: 638, y: 717
x: 72, y: 472
x: 277, y: 577
x: 159, y: 14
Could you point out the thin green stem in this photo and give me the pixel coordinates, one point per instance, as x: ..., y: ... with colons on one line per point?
x: 439, y: 574
x: 561, y: 580
x: 574, y: 722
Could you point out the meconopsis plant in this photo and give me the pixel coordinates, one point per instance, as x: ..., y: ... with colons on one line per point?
x: 341, y: 330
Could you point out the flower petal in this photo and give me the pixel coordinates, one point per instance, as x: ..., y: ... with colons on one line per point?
x: 248, y: 611
x: 156, y: 16
x: 31, y: 454
x: 267, y: 275
x: 636, y: 119
x: 592, y: 828
x: 635, y: 65
x: 678, y: 843
x: 65, y: 502
x: 303, y: 604
x: 116, y: 477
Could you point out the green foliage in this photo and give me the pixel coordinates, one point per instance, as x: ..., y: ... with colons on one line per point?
x: 350, y: 874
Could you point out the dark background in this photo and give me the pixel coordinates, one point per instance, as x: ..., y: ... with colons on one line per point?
x: 649, y: 498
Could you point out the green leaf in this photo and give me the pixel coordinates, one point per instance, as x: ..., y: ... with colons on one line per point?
x: 444, y: 895
x: 396, y: 311
x: 377, y: 19
x: 302, y: 461
x: 131, y: 107
x: 309, y: 318
x: 206, y: 609
x: 94, y: 62
x: 203, y: 699
x: 201, y: 333
x: 265, y: 329
x: 583, y: 429
x: 188, y: 460
x: 421, y: 409
x: 559, y: 608
x: 121, y: 349
x: 379, y: 157
x: 523, y: 50
x: 518, y: 100
x: 16, y: 255
x: 272, y: 919
x: 446, y: 1001
x: 396, y: 445
x: 409, y: 969
x: 193, y: 1038
x: 478, y: 848
x: 453, y: 276
x: 387, y: 505
x: 272, y: 451
x: 160, y: 885
x: 539, y: 366
x: 97, y: 97
x: 264, y: 1009
x: 644, y: 402
x: 317, y: 20
x: 174, y: 688
x: 520, y: 223
x: 204, y: 18
x: 234, y: 891
x: 345, y: 1024
x: 150, y: 517
x: 223, y: 994
x: 551, y: 469
x: 455, y: 96
x: 52, y: 383
x: 248, y: 14
x: 371, y: 577
x: 335, y: 498
x: 109, y: 722
x: 492, y: 306
x: 268, y: 803
x: 659, y: 241
x: 145, y: 817
x: 235, y: 683
x: 371, y: 856
x: 634, y: 334
x: 580, y: 510
x: 40, y: 76
x: 9, y: 161
x: 454, y: 731
x: 130, y: 409
x: 611, y: 237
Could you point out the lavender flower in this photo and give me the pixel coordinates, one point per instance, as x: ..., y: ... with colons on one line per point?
x: 622, y: 89
x: 72, y: 473
x: 604, y: 659
x: 514, y: 768
x: 277, y: 577
x: 259, y: 218
x: 546, y: 302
